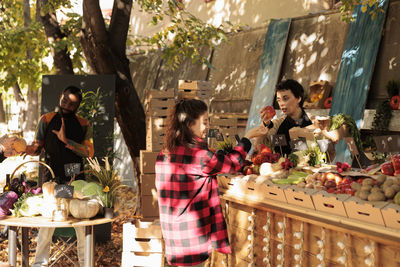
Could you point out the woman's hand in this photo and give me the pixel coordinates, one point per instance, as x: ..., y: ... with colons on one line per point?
x: 257, y: 132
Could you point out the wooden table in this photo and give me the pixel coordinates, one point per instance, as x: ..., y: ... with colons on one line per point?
x: 35, y: 222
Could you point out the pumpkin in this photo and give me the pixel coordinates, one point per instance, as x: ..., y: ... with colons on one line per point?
x: 84, y: 209
x: 48, y: 190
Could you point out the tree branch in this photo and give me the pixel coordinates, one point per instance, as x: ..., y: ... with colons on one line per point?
x: 62, y: 60
x: 119, y: 25
x: 94, y: 39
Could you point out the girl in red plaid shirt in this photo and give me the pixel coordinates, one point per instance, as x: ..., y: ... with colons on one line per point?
x: 190, y: 211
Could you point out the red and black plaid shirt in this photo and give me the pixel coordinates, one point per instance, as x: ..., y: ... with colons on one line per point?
x: 190, y: 210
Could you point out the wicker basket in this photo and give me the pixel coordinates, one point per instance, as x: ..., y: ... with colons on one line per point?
x: 57, y: 209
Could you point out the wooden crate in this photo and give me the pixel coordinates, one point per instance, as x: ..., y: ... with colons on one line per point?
x: 155, y: 131
x: 331, y: 203
x: 159, y: 107
x: 194, y: 85
x: 148, y: 161
x: 133, y: 259
x: 321, y: 88
x: 365, y: 210
x: 160, y: 94
x: 142, y: 244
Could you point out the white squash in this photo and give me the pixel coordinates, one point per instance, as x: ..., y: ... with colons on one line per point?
x: 83, y: 209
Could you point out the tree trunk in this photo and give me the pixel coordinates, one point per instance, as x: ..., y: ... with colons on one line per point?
x: 62, y: 59
x: 18, y: 94
x: 2, y: 111
x: 31, y: 115
x: 105, y: 52
x: 32, y: 110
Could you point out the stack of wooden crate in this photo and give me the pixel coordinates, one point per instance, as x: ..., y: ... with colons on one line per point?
x: 157, y: 105
x: 142, y: 244
x: 194, y: 90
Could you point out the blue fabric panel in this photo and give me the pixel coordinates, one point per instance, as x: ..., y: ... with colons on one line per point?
x: 356, y: 69
x: 269, y: 70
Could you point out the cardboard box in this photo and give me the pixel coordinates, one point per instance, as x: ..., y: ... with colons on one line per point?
x: 297, y: 132
x: 319, y: 92
x: 149, y: 207
x: 331, y: 203
x: 148, y: 161
x: 272, y: 191
x: 194, y: 85
x: 391, y: 216
x: 366, y: 211
x: 300, y: 196
x: 131, y: 259
x: 148, y: 184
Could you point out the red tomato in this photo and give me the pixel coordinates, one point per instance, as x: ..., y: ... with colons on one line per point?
x: 395, y: 102
x: 249, y: 171
x: 387, y: 169
x: 264, y: 148
x: 328, y: 103
x: 331, y: 190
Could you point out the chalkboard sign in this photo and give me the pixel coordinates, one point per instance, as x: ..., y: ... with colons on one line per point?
x: 323, y: 144
x: 278, y: 140
x: 299, y: 144
x: 351, y: 145
x: 72, y: 169
x: 220, y: 137
x: 387, y: 143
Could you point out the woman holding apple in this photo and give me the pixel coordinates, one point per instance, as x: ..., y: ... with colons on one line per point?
x: 290, y: 97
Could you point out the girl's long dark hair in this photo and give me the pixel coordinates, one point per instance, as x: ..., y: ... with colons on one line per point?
x: 180, y: 118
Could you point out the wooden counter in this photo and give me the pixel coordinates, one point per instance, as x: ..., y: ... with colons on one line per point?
x: 269, y: 232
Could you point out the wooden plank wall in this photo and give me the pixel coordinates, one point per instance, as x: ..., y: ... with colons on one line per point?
x: 356, y: 69
x: 269, y: 69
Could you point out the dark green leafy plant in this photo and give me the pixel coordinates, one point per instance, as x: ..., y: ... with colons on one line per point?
x: 340, y: 119
x: 347, y: 8
x: 226, y: 145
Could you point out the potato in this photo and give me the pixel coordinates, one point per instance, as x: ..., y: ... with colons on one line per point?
x: 376, y: 196
x: 376, y: 189
x: 380, y: 179
x: 396, y: 181
x: 389, y: 192
x: 356, y: 186
x: 364, y: 194
x: 396, y: 187
x: 388, y: 182
x: 366, y: 188
x: 368, y: 181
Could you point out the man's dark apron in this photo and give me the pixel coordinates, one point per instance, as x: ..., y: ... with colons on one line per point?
x: 56, y: 154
